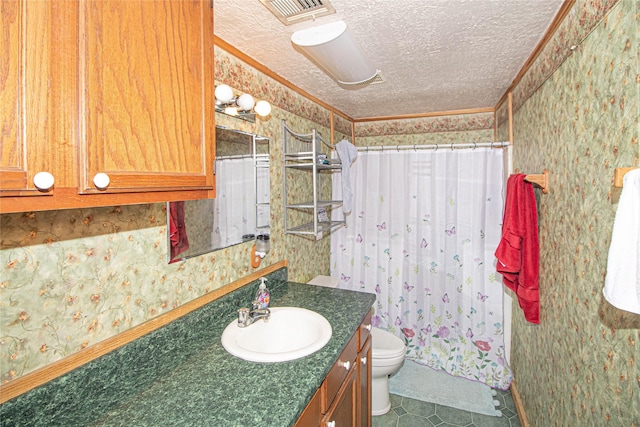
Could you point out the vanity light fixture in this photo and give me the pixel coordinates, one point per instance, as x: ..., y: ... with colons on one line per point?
x: 334, y: 50
x: 243, y: 106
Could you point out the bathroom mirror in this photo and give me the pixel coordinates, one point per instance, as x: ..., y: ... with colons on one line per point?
x: 240, y: 210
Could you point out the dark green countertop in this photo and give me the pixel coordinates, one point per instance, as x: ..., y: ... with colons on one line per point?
x: 184, y: 377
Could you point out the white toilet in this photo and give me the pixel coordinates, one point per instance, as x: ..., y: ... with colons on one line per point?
x: 387, y: 355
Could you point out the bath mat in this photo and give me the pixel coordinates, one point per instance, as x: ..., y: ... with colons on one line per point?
x: 425, y: 384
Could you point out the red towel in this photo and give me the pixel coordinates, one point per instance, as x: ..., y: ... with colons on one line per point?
x: 177, y: 230
x: 519, y: 250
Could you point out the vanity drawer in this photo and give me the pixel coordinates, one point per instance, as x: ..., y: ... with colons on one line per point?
x: 340, y: 370
x: 365, y: 330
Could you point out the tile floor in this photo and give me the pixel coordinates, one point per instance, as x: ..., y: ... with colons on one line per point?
x: 407, y: 412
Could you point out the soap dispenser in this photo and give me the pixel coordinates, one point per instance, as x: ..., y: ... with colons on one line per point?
x: 262, y: 295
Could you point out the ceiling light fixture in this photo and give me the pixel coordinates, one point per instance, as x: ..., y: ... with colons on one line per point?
x: 243, y: 106
x: 334, y: 50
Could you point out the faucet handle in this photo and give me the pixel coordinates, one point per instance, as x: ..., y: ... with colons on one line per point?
x: 243, y: 316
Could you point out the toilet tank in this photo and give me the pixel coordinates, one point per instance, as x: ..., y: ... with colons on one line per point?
x: 327, y: 281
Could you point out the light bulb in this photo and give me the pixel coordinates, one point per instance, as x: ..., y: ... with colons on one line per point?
x: 245, y: 102
x: 224, y: 93
x: 263, y: 108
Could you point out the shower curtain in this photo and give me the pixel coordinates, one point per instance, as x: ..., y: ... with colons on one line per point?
x: 421, y: 236
x: 235, y: 202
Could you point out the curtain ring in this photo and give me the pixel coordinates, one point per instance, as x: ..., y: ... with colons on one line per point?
x: 492, y: 145
x: 398, y: 148
x: 436, y: 147
x: 452, y: 146
x: 475, y: 145
x: 414, y: 147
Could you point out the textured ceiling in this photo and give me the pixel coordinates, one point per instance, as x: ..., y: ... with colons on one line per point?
x: 434, y: 55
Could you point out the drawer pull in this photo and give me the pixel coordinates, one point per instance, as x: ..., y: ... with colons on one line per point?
x: 43, y: 181
x: 368, y: 327
x: 363, y: 360
x: 346, y: 365
x: 101, y: 181
x: 331, y: 424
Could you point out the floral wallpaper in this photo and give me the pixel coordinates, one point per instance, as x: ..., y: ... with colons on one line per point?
x: 426, y: 125
x: 577, y: 25
x: 444, y: 138
x: 580, y: 365
x: 72, y: 278
x: 502, y: 121
x: 341, y: 126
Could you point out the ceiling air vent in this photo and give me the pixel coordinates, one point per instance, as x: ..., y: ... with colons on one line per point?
x: 293, y: 11
x: 376, y: 79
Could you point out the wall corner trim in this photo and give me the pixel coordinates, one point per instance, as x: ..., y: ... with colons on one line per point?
x: 519, y: 407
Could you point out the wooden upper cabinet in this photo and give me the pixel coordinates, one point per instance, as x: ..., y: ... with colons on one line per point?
x: 25, y: 91
x: 146, y: 95
x: 122, y: 88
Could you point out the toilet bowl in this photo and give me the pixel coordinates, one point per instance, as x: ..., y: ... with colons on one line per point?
x: 387, y: 355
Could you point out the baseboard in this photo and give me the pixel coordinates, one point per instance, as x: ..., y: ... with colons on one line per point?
x: 519, y: 407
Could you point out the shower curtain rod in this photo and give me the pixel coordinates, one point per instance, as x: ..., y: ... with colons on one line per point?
x: 452, y: 146
x: 241, y: 156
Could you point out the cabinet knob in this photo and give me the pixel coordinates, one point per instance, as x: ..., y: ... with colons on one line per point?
x: 363, y: 360
x: 43, y: 181
x: 368, y: 327
x: 101, y: 181
x: 331, y: 424
x: 346, y: 365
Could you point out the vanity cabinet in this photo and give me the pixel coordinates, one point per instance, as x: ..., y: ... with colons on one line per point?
x: 113, y: 99
x: 344, y: 398
x: 364, y: 372
x: 343, y: 410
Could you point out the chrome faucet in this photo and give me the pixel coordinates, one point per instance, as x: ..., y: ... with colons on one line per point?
x: 246, y: 317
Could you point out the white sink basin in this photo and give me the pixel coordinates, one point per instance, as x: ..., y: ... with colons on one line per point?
x: 290, y: 333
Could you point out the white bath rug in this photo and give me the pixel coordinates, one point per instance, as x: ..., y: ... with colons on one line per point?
x: 427, y: 385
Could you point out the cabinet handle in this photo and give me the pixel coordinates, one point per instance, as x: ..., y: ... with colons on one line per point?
x: 43, y: 181
x: 363, y: 360
x: 346, y: 365
x: 368, y: 327
x: 331, y: 424
x: 101, y: 181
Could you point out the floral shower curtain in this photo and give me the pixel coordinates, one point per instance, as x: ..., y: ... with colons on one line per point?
x: 421, y: 236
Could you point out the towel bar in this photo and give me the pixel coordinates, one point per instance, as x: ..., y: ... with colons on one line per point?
x: 541, y: 180
x: 618, y: 175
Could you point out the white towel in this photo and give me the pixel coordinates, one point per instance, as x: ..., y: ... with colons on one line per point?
x: 347, y: 153
x: 622, y: 284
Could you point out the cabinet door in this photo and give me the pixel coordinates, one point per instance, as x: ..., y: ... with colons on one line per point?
x: 312, y: 414
x: 25, y: 66
x: 343, y: 411
x: 146, y: 85
x: 364, y: 389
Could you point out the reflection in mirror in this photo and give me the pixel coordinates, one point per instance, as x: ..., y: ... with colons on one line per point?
x: 240, y: 210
